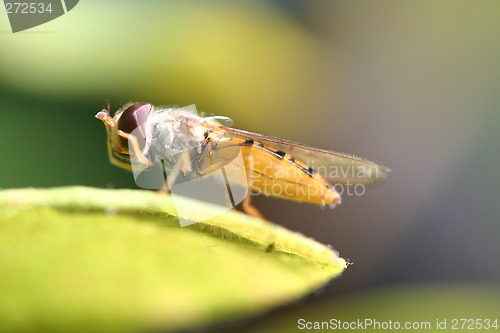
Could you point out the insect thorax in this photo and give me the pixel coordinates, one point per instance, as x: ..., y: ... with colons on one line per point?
x: 171, y: 132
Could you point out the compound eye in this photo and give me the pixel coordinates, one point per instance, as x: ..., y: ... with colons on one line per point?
x: 135, y: 117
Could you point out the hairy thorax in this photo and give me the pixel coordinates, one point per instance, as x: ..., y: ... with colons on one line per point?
x: 173, y: 131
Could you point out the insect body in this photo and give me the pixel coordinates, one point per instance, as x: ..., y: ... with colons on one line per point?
x: 188, y: 145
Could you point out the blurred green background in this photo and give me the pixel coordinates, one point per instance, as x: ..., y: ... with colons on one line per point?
x: 413, y: 85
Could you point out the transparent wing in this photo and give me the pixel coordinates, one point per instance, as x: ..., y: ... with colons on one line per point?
x: 335, y: 167
x: 226, y: 121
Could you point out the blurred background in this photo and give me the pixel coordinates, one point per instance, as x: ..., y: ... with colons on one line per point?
x: 413, y: 85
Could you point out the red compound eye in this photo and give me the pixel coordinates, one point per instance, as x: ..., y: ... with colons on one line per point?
x: 135, y: 117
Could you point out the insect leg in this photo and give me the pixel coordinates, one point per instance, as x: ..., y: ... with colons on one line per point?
x: 170, y: 178
x: 166, y: 189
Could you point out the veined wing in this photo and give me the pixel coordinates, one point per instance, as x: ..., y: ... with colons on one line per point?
x: 335, y: 167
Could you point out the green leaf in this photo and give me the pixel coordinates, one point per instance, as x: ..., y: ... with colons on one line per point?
x: 86, y: 259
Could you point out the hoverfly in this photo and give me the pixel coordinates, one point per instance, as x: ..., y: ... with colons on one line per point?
x: 140, y: 135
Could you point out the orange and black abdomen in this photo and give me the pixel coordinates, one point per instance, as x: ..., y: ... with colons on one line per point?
x: 274, y: 173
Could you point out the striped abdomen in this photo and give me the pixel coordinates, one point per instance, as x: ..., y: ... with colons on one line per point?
x: 275, y: 173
